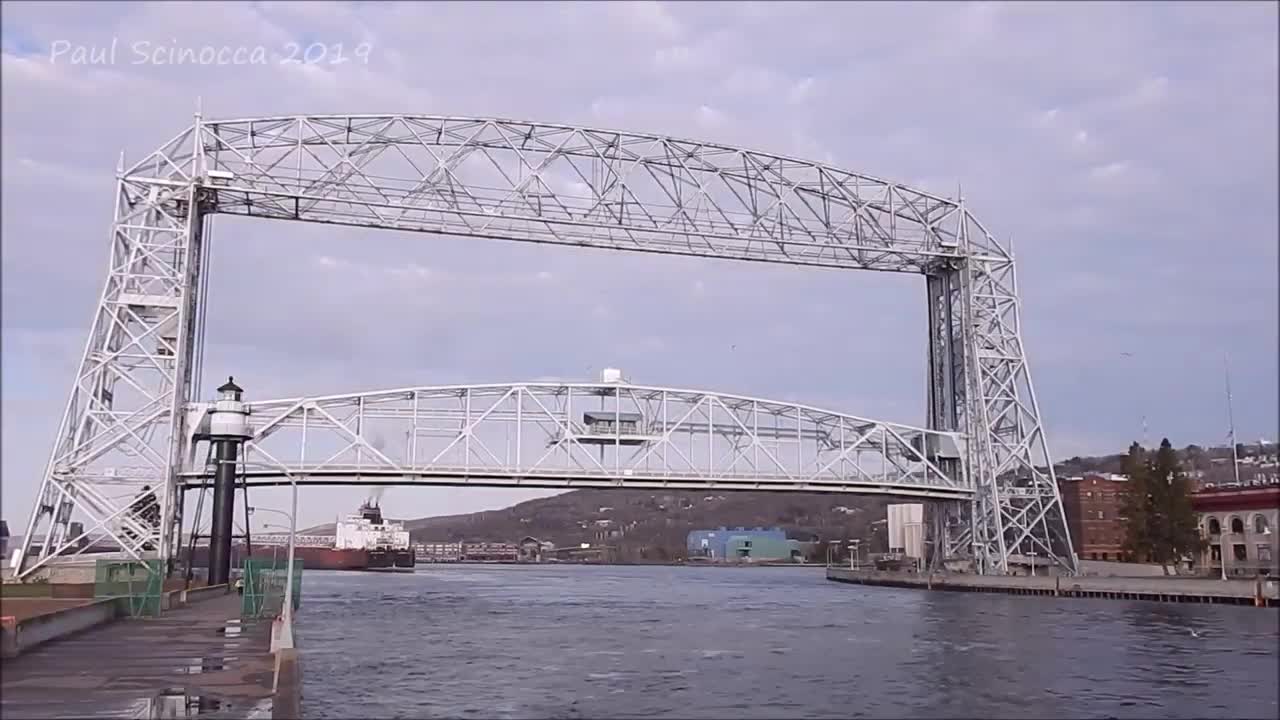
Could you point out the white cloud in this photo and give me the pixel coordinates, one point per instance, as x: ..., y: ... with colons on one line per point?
x: 649, y: 17
x: 1109, y: 171
x: 1151, y: 91
x: 710, y: 118
x: 1048, y: 117
x: 672, y: 57
x: 801, y: 90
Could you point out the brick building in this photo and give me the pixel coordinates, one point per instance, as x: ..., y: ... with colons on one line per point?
x: 490, y: 552
x: 1092, y: 505
x: 429, y: 552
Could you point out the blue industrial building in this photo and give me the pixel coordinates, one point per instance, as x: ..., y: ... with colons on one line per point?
x: 737, y: 544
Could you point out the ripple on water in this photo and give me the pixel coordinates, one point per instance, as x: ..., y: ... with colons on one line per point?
x: 713, y: 654
x: 649, y: 642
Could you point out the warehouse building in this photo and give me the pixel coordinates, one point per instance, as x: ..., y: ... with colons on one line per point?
x: 741, y: 545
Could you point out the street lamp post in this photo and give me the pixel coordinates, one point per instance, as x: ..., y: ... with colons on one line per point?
x: 1266, y: 533
x: 1222, y: 554
x: 1222, y: 550
x: 274, y: 547
x: 285, y: 638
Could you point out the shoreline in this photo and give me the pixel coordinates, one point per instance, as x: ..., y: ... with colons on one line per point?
x: 1254, y: 592
x: 481, y: 563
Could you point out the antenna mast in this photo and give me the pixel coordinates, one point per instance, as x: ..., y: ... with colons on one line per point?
x: 1231, y: 422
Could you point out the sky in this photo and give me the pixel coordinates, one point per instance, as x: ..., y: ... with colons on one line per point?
x: 1128, y: 151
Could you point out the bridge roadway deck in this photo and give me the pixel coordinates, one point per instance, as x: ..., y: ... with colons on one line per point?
x: 201, y: 656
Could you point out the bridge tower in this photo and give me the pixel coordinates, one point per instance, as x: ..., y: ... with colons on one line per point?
x: 127, y: 420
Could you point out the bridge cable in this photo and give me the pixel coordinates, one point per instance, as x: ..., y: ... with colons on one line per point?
x: 195, y: 521
x: 202, y: 311
x: 244, y: 489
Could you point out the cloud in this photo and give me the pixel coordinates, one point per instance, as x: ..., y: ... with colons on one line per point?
x: 801, y: 90
x: 672, y: 57
x: 1109, y: 171
x: 1151, y: 91
x: 647, y: 17
x: 710, y: 118
x: 1048, y: 117
x: 1114, y: 141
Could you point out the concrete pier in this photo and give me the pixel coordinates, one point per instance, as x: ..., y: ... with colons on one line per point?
x: 1260, y: 593
x: 200, y: 658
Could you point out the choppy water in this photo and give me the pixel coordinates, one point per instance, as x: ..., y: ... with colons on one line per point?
x: 595, y: 642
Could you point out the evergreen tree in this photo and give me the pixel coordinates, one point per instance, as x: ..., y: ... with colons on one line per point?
x: 1138, y: 506
x: 1161, y: 525
x: 1180, y: 530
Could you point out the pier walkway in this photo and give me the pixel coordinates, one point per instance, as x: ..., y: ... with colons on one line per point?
x: 1257, y: 592
x: 200, y: 659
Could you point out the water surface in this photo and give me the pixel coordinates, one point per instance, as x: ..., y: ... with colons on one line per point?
x: 592, y: 642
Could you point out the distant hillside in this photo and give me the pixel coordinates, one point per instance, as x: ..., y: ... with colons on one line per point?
x: 636, y: 520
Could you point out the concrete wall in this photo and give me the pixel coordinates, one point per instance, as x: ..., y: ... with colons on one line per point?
x: 22, y: 636
x: 286, y: 702
x: 19, y: 636
x: 1120, y: 569
x: 1153, y: 586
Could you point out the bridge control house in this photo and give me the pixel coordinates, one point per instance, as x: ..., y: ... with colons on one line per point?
x: 609, y: 427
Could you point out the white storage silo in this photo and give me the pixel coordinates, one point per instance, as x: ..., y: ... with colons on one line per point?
x: 906, y: 529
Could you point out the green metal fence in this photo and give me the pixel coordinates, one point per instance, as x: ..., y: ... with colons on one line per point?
x: 264, y: 586
x: 140, y: 583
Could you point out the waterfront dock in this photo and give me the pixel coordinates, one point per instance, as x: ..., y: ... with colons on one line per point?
x: 1259, y: 592
x: 199, y: 656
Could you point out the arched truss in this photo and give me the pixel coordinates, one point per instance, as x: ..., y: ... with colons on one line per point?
x: 553, y: 435
x: 533, y: 182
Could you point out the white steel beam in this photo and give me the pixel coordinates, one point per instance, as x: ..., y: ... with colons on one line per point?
x: 845, y: 454
x: 567, y: 185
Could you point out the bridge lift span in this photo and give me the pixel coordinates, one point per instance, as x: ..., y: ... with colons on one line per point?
x: 132, y: 417
x: 574, y: 435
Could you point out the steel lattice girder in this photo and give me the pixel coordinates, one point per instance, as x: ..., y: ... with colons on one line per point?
x: 534, y: 435
x: 539, y: 183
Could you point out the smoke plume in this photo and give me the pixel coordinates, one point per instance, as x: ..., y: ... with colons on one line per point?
x: 376, y: 492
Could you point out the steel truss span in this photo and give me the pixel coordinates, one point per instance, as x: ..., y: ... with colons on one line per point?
x: 589, y: 435
x: 125, y: 422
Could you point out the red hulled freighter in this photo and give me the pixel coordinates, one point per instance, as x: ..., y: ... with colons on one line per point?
x: 385, y: 544
x: 361, y: 541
